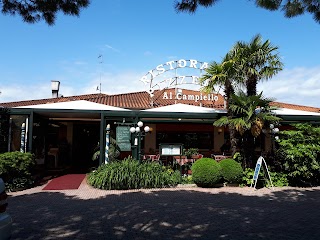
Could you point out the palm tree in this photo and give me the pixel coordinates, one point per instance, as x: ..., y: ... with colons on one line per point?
x: 222, y: 74
x: 255, y: 61
x: 250, y: 115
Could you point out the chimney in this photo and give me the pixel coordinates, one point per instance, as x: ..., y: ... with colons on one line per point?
x: 55, y: 85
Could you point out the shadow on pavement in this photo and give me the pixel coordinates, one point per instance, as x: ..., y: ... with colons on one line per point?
x: 167, y: 214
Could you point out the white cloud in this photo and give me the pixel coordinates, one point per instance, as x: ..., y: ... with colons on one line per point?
x: 297, y: 86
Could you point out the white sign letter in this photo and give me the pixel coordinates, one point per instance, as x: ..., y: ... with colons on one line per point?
x: 145, y: 79
x: 160, y: 68
x: 170, y: 64
x: 204, y: 65
x: 193, y: 63
x: 195, y: 79
x: 182, y: 63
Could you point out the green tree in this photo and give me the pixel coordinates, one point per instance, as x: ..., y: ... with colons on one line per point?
x: 33, y: 11
x: 291, y: 8
x: 222, y: 74
x: 256, y: 61
x: 250, y: 115
x: 299, y: 151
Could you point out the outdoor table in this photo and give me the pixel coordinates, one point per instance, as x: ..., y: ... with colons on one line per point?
x: 183, y: 160
x: 220, y: 157
x: 151, y: 157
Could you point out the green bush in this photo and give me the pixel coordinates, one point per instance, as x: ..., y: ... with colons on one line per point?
x: 129, y: 174
x: 231, y: 171
x: 16, y: 169
x: 278, y: 179
x: 206, y: 172
x: 187, y: 179
x: 299, y: 151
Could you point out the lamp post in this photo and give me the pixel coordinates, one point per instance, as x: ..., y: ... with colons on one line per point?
x: 137, y: 138
x: 273, y: 131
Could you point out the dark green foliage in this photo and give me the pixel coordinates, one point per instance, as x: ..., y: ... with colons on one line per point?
x: 231, y: 171
x: 206, y: 172
x: 129, y: 174
x: 278, y: 179
x: 35, y: 11
x: 299, y: 151
x: 187, y: 179
x: 291, y: 8
x: 16, y: 169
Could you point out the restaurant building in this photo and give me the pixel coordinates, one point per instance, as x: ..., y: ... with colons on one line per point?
x: 65, y: 131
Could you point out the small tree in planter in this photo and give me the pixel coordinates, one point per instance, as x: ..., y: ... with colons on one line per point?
x: 191, y: 152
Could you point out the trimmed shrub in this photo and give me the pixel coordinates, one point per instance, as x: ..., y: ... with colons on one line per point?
x: 231, y: 171
x: 129, y: 174
x: 206, y: 172
x: 16, y: 169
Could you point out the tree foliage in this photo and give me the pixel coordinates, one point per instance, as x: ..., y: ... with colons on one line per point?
x: 299, y: 150
x: 255, y: 61
x: 291, y: 8
x: 33, y: 11
x: 251, y: 114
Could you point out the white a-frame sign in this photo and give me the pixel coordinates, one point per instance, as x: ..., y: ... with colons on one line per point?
x: 257, y: 170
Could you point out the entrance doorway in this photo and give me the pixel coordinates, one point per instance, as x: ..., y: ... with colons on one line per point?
x: 85, y: 142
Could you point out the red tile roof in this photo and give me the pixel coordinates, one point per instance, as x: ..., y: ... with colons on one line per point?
x: 49, y: 100
x: 295, y: 107
x: 142, y: 100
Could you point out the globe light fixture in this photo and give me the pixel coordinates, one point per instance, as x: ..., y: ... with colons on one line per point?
x: 137, y: 138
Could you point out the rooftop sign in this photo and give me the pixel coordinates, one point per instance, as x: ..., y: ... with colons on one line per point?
x: 169, y: 82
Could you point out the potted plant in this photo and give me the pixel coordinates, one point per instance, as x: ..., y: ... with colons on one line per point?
x: 192, y: 153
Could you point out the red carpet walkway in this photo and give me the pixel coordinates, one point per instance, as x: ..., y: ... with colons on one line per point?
x: 69, y: 181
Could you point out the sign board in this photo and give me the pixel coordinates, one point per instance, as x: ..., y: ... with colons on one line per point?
x: 257, y: 169
x: 123, y: 138
x: 260, y: 163
x: 171, y: 149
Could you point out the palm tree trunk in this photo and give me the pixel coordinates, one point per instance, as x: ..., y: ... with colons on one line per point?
x: 233, y: 140
x: 252, y: 86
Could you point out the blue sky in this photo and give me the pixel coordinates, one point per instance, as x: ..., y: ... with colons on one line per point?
x: 136, y: 36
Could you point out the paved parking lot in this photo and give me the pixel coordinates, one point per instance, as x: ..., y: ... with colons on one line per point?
x: 180, y: 213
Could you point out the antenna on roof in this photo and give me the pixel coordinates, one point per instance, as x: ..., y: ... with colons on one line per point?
x: 100, y: 57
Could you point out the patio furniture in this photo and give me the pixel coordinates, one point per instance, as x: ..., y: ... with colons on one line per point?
x: 218, y: 158
x: 151, y: 157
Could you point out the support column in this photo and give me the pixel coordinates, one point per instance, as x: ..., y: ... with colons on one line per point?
x: 102, y: 138
x: 30, y: 132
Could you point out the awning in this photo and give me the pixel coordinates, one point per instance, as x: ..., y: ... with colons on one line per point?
x: 75, y: 105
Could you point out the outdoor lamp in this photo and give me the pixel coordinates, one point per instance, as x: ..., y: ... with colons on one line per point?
x: 139, y: 133
x: 146, y: 129
x: 132, y: 129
